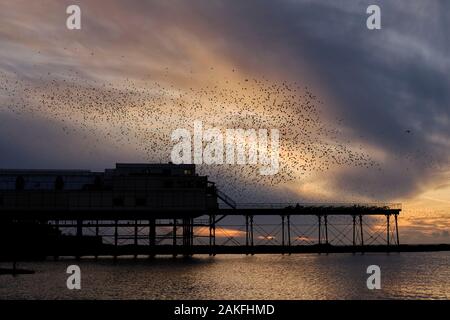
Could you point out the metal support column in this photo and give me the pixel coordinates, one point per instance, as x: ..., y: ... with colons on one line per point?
x: 361, y: 229
x: 79, y: 237
x: 326, y: 228
x: 282, y: 234
x: 56, y: 256
x: 251, y: 234
x: 79, y: 229
x: 212, y: 234
x: 191, y: 223
x: 96, y: 236
x: 396, y: 229
x: 320, y: 229
x: 187, y: 236
x: 174, y: 237
x: 152, y: 237
x: 354, y: 230
x: 247, y: 235
x: 135, y: 238
x: 116, y: 237
x: 289, y: 232
x: 388, y: 225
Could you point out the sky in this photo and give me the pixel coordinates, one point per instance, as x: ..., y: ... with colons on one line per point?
x: 369, y: 120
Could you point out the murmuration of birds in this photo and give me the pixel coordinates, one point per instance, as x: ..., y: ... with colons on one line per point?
x: 143, y: 113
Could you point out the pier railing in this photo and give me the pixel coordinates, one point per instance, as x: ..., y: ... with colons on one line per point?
x: 315, y: 205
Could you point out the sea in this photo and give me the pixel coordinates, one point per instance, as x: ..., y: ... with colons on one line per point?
x: 424, y: 275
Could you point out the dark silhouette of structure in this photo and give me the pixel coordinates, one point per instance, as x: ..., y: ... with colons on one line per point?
x: 159, y: 202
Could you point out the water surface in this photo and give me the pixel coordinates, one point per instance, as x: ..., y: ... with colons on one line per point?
x: 300, y: 276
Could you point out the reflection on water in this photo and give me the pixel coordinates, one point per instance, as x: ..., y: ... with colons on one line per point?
x: 312, y: 276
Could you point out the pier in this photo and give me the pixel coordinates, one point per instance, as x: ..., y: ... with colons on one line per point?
x: 155, y: 209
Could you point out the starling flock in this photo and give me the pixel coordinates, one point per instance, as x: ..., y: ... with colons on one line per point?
x: 142, y: 113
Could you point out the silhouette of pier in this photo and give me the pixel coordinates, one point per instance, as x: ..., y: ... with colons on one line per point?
x: 150, y: 209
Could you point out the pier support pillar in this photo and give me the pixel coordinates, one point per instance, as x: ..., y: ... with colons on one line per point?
x: 289, y: 232
x: 282, y: 234
x: 247, y: 235
x: 79, y: 238
x: 396, y: 229
x: 174, y: 238
x: 135, y: 238
x: 188, y: 236
x: 212, y: 235
x: 192, y: 235
x: 116, y: 237
x: 320, y: 229
x: 354, y: 230
x: 388, y: 226
x: 96, y: 236
x: 58, y: 243
x: 361, y: 230
x: 251, y: 235
x: 152, y: 237
x: 185, y: 236
x: 79, y: 228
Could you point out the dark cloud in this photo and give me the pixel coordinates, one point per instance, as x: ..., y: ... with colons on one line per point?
x: 389, y: 86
